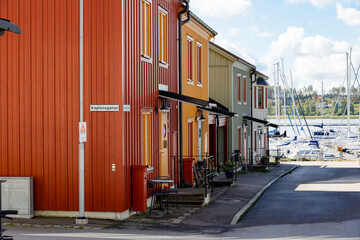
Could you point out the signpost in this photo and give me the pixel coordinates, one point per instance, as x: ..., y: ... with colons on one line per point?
x: 82, y: 219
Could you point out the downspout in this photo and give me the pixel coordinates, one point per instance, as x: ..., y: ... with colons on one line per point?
x: 253, y: 72
x: 185, y: 8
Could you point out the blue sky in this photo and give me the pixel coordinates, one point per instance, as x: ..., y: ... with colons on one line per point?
x: 312, y: 35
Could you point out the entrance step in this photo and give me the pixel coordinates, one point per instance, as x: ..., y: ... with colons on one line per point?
x: 220, y: 182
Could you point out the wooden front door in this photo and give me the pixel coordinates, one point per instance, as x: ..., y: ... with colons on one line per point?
x: 164, y: 145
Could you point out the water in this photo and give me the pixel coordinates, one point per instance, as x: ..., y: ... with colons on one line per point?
x: 333, y: 124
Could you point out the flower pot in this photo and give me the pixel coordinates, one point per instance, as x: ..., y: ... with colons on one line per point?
x: 229, y: 173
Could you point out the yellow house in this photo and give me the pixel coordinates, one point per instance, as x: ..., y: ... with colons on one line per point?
x: 195, y: 83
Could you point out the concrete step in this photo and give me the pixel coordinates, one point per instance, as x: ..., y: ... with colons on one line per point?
x: 188, y: 197
x: 257, y: 168
x: 220, y: 182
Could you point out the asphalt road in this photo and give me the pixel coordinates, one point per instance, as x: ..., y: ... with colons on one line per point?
x: 319, y: 200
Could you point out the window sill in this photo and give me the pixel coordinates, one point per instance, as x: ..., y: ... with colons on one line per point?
x: 145, y: 58
x: 190, y: 82
x: 163, y: 65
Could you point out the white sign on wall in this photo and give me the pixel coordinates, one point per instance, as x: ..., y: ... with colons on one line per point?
x: 126, y: 108
x: 82, y: 131
x: 104, y: 108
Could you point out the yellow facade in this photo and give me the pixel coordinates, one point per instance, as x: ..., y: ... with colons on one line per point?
x: 195, y: 84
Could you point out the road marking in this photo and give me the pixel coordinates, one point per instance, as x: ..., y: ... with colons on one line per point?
x: 349, y: 187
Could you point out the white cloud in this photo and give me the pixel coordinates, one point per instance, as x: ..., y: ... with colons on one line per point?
x: 235, y: 32
x: 315, y: 3
x: 235, y: 49
x: 313, y: 69
x: 350, y: 16
x: 223, y: 9
x: 287, y: 43
x: 313, y: 59
x: 262, y: 34
x: 321, y: 46
x: 352, y: 2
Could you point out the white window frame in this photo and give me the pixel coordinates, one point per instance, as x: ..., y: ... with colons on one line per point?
x: 245, y: 80
x: 238, y: 90
x: 199, y: 44
x: 145, y: 57
x: 162, y: 63
x: 189, y: 38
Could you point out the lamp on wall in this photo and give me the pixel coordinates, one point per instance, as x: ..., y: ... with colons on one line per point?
x: 245, y: 124
x: 163, y: 108
x: 201, y: 118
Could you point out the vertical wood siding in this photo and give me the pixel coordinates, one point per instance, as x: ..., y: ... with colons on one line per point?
x: 141, y: 82
x: 39, y: 101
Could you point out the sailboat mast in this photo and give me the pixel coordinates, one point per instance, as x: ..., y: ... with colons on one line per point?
x: 284, y: 92
x: 278, y: 92
x: 322, y: 103
x: 348, y: 62
x: 275, y: 92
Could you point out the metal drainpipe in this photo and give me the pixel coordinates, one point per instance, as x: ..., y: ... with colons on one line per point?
x: 185, y: 8
x: 251, y: 109
x: 217, y: 143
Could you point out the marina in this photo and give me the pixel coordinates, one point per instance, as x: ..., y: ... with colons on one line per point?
x: 315, y: 138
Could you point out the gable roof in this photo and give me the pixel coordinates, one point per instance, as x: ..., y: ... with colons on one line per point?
x: 203, y: 23
x: 239, y: 59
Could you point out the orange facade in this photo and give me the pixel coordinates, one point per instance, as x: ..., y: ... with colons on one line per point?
x: 195, y: 39
x: 39, y: 92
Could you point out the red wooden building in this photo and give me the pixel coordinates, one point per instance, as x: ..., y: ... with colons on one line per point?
x: 130, y: 49
x: 150, y: 65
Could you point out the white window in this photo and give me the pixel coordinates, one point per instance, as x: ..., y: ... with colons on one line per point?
x: 146, y: 28
x: 163, y: 38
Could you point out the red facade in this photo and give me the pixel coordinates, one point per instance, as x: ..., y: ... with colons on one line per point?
x: 141, y: 83
x: 39, y: 93
x: 39, y: 98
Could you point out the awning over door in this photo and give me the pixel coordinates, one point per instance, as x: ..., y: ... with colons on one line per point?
x: 266, y: 123
x: 212, y: 106
x: 183, y: 98
x: 219, y: 111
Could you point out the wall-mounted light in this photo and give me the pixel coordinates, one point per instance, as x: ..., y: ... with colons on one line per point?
x: 164, y: 108
x: 245, y: 124
x: 201, y: 118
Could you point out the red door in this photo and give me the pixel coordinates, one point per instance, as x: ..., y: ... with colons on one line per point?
x: 190, y: 139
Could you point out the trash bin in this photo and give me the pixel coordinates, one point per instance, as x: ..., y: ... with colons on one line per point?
x: 139, y: 177
x: 188, y: 170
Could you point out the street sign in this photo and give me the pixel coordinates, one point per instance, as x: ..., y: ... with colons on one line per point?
x: 82, y: 132
x: 104, y: 108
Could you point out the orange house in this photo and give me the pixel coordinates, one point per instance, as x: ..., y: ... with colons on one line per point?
x: 195, y: 47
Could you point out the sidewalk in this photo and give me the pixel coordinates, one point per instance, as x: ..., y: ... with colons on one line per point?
x: 227, y: 207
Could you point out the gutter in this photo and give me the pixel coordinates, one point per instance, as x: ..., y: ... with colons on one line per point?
x: 185, y: 9
x: 253, y: 72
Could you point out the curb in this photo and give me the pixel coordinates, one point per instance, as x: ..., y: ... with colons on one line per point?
x: 243, y: 211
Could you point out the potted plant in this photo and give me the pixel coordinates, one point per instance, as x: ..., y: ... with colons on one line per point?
x: 264, y: 160
x: 229, y: 169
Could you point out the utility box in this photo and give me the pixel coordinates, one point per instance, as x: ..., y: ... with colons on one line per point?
x: 189, y: 170
x: 17, y: 194
x: 139, y: 175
